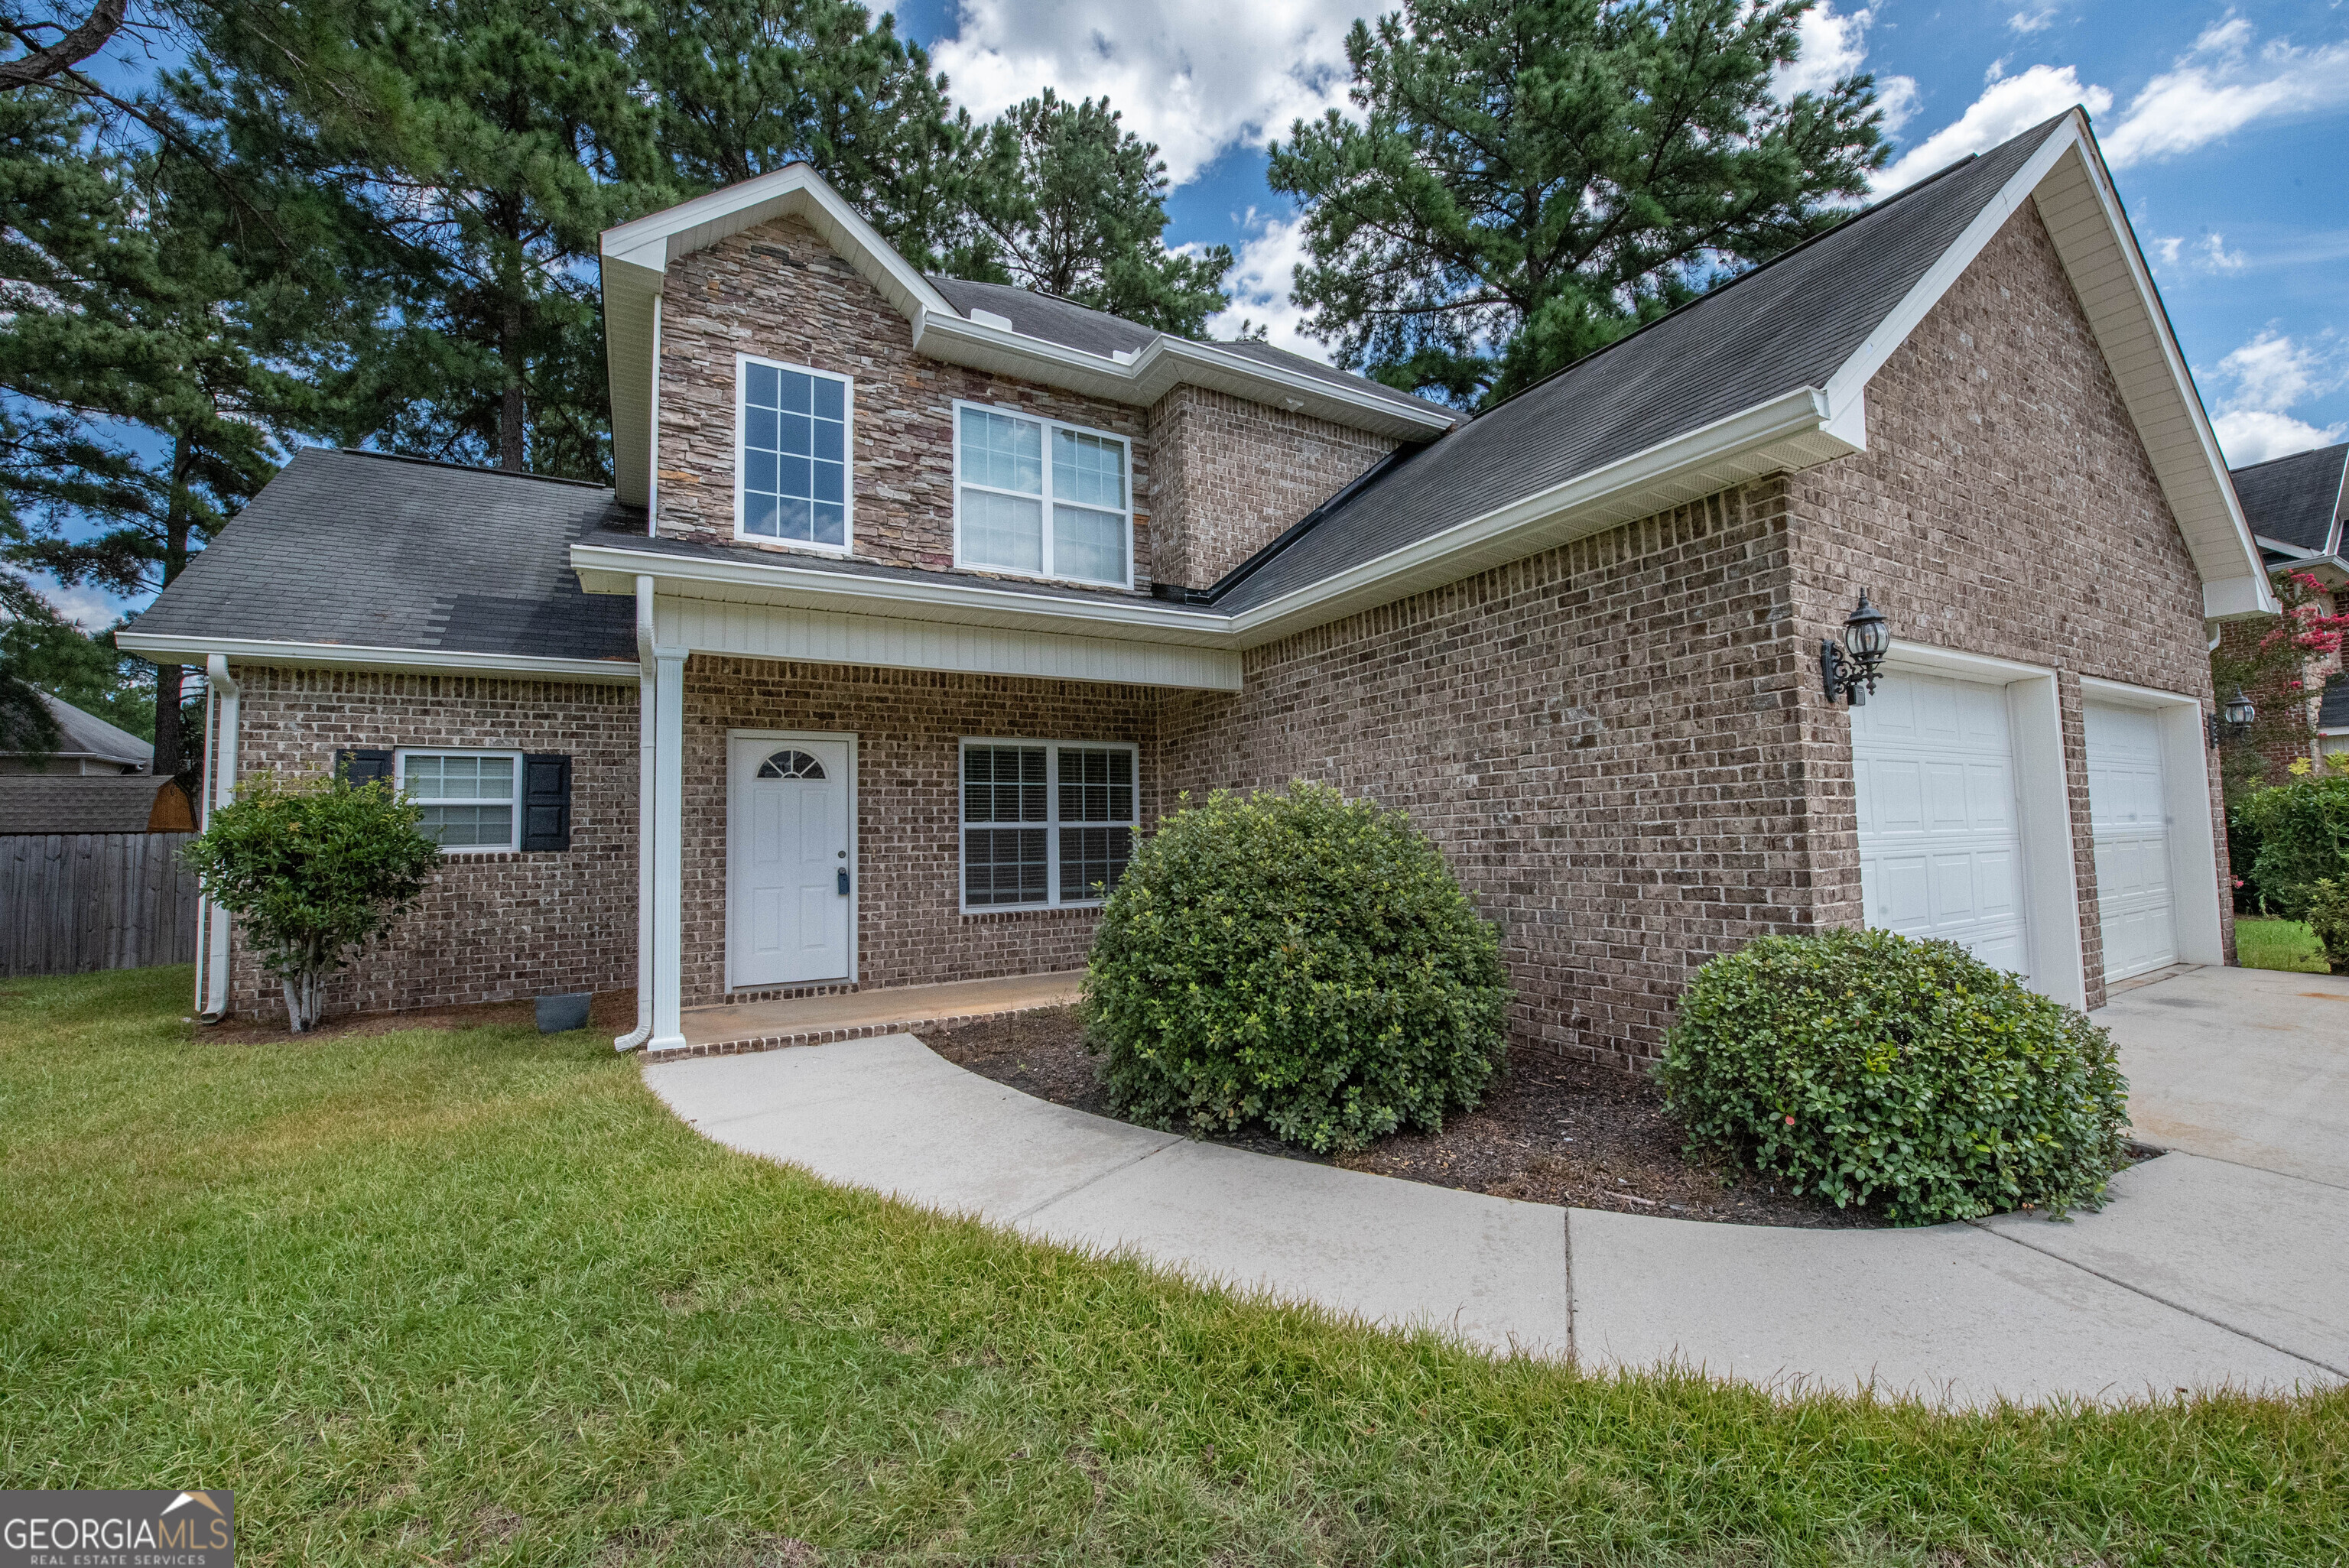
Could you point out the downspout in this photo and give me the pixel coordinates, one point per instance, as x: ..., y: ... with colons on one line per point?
x: 645, y: 735
x: 212, y: 1004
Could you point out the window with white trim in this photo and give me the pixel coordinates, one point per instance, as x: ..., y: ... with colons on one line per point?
x: 470, y: 798
x: 791, y: 445
x: 1045, y: 822
x: 1040, y: 497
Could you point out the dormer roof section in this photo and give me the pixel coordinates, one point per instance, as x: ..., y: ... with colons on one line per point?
x: 638, y: 256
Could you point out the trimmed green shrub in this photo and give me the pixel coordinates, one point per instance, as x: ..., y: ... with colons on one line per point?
x: 313, y: 869
x: 1295, y: 959
x: 2303, y: 838
x: 1866, y: 1068
x: 2328, y: 919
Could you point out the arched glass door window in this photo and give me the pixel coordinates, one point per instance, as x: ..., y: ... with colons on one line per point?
x: 790, y: 764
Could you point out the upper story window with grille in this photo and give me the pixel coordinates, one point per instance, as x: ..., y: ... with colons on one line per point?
x: 792, y: 439
x: 1045, y: 822
x: 1042, y: 499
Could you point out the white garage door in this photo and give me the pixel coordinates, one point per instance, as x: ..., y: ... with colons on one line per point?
x: 2128, y: 812
x: 1940, y: 852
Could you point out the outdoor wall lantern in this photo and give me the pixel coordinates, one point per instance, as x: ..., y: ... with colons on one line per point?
x: 1867, y: 638
x: 2234, y: 720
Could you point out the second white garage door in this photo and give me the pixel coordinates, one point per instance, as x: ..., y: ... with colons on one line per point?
x: 1941, y: 849
x: 2128, y: 809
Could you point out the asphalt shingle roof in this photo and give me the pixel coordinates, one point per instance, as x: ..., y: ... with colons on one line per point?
x: 1071, y: 325
x: 2297, y: 499
x: 72, y: 803
x: 372, y: 550
x: 81, y: 735
x: 1784, y: 326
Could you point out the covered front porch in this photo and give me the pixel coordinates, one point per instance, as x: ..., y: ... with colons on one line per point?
x: 847, y: 832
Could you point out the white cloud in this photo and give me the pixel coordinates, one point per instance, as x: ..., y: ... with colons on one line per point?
x: 2007, y: 108
x: 2271, y: 374
x: 1834, y: 47
x: 92, y: 609
x: 1194, y: 79
x: 2216, y: 257
x: 2222, y: 85
x: 2036, y: 17
x: 2166, y: 248
x: 2253, y: 436
x: 1261, y: 277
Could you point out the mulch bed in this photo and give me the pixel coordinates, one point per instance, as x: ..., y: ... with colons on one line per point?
x: 1549, y: 1131
x: 611, y: 1012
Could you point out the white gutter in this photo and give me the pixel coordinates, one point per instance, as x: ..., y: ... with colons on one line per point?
x: 645, y: 740
x: 164, y: 648
x: 212, y: 932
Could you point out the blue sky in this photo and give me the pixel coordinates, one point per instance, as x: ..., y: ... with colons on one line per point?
x: 2226, y: 127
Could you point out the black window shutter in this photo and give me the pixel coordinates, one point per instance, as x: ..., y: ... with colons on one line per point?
x: 545, y: 802
x: 363, y: 766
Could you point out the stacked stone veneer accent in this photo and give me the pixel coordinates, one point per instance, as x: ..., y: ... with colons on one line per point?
x: 492, y: 927
x: 2004, y: 506
x: 909, y: 726
x: 777, y: 292
x: 1232, y: 474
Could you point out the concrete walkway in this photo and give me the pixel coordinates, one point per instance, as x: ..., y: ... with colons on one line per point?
x: 729, y: 1027
x: 2225, y: 1262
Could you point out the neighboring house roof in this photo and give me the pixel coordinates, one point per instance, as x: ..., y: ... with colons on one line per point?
x: 2299, y: 500
x: 92, y: 803
x: 85, y: 737
x: 368, y: 552
x: 1014, y: 331
x: 2332, y: 712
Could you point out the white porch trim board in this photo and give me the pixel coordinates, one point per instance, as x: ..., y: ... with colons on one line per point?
x: 666, y: 830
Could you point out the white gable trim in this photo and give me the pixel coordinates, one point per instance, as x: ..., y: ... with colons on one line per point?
x: 2067, y: 178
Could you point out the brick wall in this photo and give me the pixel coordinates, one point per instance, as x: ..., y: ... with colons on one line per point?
x: 777, y: 291
x: 1230, y: 474
x: 2287, y: 712
x: 909, y: 725
x: 1600, y: 739
x: 2005, y: 507
x: 492, y: 927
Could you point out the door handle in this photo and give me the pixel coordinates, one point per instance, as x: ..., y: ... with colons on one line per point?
x: 843, y: 881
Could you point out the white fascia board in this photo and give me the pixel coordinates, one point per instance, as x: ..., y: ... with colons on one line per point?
x: 1790, y: 431
x: 2234, y: 598
x: 160, y: 648
x: 614, y: 569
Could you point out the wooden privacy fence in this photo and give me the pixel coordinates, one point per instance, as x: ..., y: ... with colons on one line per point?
x: 73, y: 902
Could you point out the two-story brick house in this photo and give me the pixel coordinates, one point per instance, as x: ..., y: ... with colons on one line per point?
x: 2298, y: 509
x: 914, y: 601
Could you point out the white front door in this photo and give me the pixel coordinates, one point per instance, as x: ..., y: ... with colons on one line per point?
x: 790, y: 888
x: 1940, y: 847
x: 2127, y: 811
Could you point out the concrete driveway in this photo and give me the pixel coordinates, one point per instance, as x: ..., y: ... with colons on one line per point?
x: 2222, y: 1264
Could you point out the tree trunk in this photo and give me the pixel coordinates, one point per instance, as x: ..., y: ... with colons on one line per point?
x: 510, y: 406
x: 169, y: 750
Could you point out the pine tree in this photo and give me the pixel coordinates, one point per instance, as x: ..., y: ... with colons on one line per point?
x: 1067, y: 201
x: 1529, y: 180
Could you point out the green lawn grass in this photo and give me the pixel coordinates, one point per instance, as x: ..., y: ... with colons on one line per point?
x: 2262, y: 944
x: 474, y: 1297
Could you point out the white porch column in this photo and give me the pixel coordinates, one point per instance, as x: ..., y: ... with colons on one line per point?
x: 667, y: 828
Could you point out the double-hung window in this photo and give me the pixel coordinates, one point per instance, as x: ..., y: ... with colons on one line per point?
x: 1042, y: 499
x: 470, y: 798
x: 792, y: 427
x: 1045, y: 822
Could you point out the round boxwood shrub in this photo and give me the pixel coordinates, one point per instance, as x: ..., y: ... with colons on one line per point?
x: 1295, y: 959
x: 1867, y: 1069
